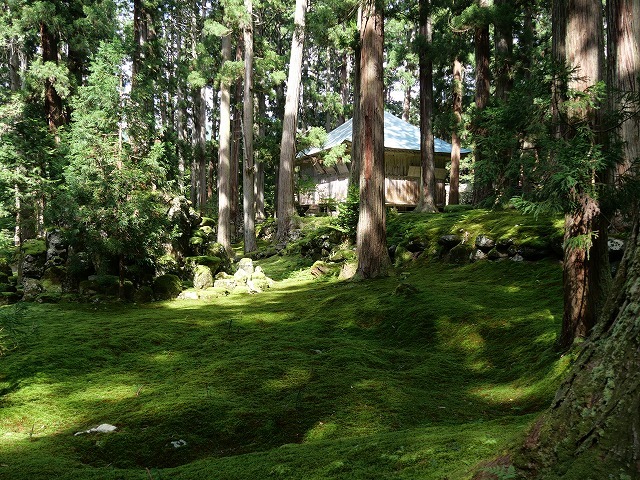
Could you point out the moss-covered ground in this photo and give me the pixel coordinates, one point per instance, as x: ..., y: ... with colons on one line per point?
x: 312, y: 379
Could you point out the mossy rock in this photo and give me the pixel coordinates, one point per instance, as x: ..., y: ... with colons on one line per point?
x: 108, y: 284
x: 5, y: 267
x: 7, y: 287
x: 49, y: 297
x: 402, y: 256
x: 9, y: 298
x: 460, y: 254
x: 202, y: 278
x: 167, y: 287
x: 207, y: 260
x: 457, y: 208
x: 34, y: 247
x: 143, y: 294
x: 205, y: 232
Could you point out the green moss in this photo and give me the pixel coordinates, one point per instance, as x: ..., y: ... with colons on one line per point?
x: 34, y: 247
x: 310, y: 379
x: 207, y: 222
x: 166, y: 287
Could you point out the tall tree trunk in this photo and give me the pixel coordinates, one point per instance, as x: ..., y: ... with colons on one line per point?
x: 262, y: 133
x: 15, y: 82
x: 503, y: 49
x: 248, y: 170
x: 52, y: 100
x: 287, y: 145
x: 356, y: 125
x: 344, y: 88
x: 406, y: 103
x: 482, y: 45
x: 236, y: 148
x: 427, y: 201
x: 586, y: 274
x: 454, y: 174
x: 373, y: 257
x: 224, y: 167
x: 623, y: 22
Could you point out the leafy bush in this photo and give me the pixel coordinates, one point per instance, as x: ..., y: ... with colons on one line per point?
x: 348, y: 212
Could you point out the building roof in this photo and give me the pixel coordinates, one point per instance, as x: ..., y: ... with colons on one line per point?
x: 398, y: 135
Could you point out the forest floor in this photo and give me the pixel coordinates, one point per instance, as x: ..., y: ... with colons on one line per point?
x: 311, y: 379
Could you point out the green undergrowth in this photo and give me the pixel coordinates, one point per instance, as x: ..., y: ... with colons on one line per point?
x: 525, y: 230
x: 313, y: 379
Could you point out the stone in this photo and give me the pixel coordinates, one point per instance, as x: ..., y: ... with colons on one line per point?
x: 178, y: 443
x: 517, y: 258
x: 227, y: 284
x: 202, y: 277
x: 32, y: 288
x: 33, y: 265
x: 449, y: 241
x: 460, y: 254
x: 477, y: 255
x: 143, y: 294
x: 319, y: 269
x: 503, y: 244
x: 495, y: 254
x: 484, y: 243
x: 167, y: 287
x: 416, y: 246
x: 102, y: 428
x: 188, y: 295
x: 246, y: 264
x: 252, y: 287
x: 56, y: 248
x: 347, y: 270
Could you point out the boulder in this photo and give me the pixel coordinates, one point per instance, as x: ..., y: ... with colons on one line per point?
x: 484, y: 243
x: 320, y: 269
x: 246, y: 265
x: 202, y: 278
x: 32, y: 288
x: 517, y: 258
x: 449, y: 241
x: 9, y: 298
x: 166, y: 287
x: 225, y: 281
x: 33, y: 265
x: 477, y: 255
x: 503, y: 244
x: 347, y: 270
x: 143, y: 294
x: 54, y: 278
x: 495, y: 254
x: 460, y: 254
x: 416, y: 246
x: 56, y: 249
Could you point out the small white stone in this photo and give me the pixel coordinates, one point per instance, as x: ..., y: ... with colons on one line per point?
x: 178, y: 443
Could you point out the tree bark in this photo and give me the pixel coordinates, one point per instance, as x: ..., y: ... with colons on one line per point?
x: 593, y: 425
x: 52, y: 100
x: 356, y: 123
x: 454, y: 174
x: 224, y: 167
x: 248, y: 170
x: 285, y: 210
x: 262, y: 133
x: 504, y: 50
x: 623, y: 22
x: 373, y: 257
x: 481, y: 184
x: 427, y: 201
